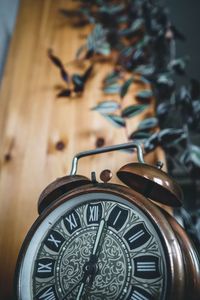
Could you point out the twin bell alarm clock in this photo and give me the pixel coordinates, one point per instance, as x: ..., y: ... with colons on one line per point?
x: 99, y: 240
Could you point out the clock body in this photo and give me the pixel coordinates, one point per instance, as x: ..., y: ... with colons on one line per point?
x: 105, y: 241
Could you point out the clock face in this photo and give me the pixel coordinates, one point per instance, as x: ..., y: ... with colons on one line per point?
x: 94, y: 246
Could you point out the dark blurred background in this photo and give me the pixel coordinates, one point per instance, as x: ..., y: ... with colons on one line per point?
x: 185, y: 15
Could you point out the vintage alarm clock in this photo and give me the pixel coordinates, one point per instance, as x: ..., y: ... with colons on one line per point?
x: 106, y: 241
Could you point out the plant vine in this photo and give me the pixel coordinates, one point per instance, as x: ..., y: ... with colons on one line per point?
x: 140, y: 40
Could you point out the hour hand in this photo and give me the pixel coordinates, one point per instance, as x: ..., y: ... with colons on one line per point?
x: 81, y: 283
x: 80, y: 291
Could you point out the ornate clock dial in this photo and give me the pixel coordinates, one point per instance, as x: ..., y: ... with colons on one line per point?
x: 95, y: 246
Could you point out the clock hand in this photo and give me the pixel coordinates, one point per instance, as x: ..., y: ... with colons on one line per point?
x: 80, y: 291
x: 90, y: 267
x: 89, y: 285
x: 65, y: 296
x: 98, y: 237
x: 82, y: 280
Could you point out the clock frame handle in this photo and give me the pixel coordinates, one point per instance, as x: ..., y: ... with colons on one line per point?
x: 130, y: 145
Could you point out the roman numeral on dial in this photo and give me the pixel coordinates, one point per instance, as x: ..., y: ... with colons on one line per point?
x: 117, y: 217
x: 137, y: 236
x: 72, y: 222
x: 48, y: 293
x: 54, y: 241
x: 94, y: 213
x: 44, y: 268
x: 139, y: 294
x: 146, y: 267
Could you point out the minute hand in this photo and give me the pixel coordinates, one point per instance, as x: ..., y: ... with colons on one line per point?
x: 98, y: 237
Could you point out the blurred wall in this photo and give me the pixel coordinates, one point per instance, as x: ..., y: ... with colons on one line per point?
x: 8, y: 12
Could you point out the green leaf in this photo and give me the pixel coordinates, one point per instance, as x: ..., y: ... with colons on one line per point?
x: 125, y: 87
x: 122, y: 19
x: 126, y: 51
x: 103, y: 49
x: 191, y: 156
x: 87, y: 13
x: 151, y: 143
x: 168, y: 136
x: 133, y: 110
x: 196, y: 107
x: 115, y: 120
x: 97, y: 41
x: 125, y: 32
x: 142, y: 80
x: 165, y: 79
x: 55, y: 60
x: 145, y: 70
x: 58, y: 63
x: 87, y: 73
x: 148, y: 124
x: 178, y: 65
x: 139, y: 135
x: 77, y: 79
x: 137, y: 24
x: 144, y: 95
x: 112, y: 89
x: 112, y: 9
x: 195, y: 155
x: 111, y: 78
x: 106, y: 107
x: 143, y: 42
x: 134, y: 28
x: 64, y: 93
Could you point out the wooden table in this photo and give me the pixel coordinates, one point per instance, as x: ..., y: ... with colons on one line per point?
x: 33, y: 121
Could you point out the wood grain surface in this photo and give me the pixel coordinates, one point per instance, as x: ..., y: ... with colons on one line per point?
x: 33, y: 121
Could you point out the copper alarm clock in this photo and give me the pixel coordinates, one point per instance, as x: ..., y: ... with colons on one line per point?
x: 99, y: 240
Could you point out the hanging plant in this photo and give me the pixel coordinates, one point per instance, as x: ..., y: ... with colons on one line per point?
x: 142, y: 38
